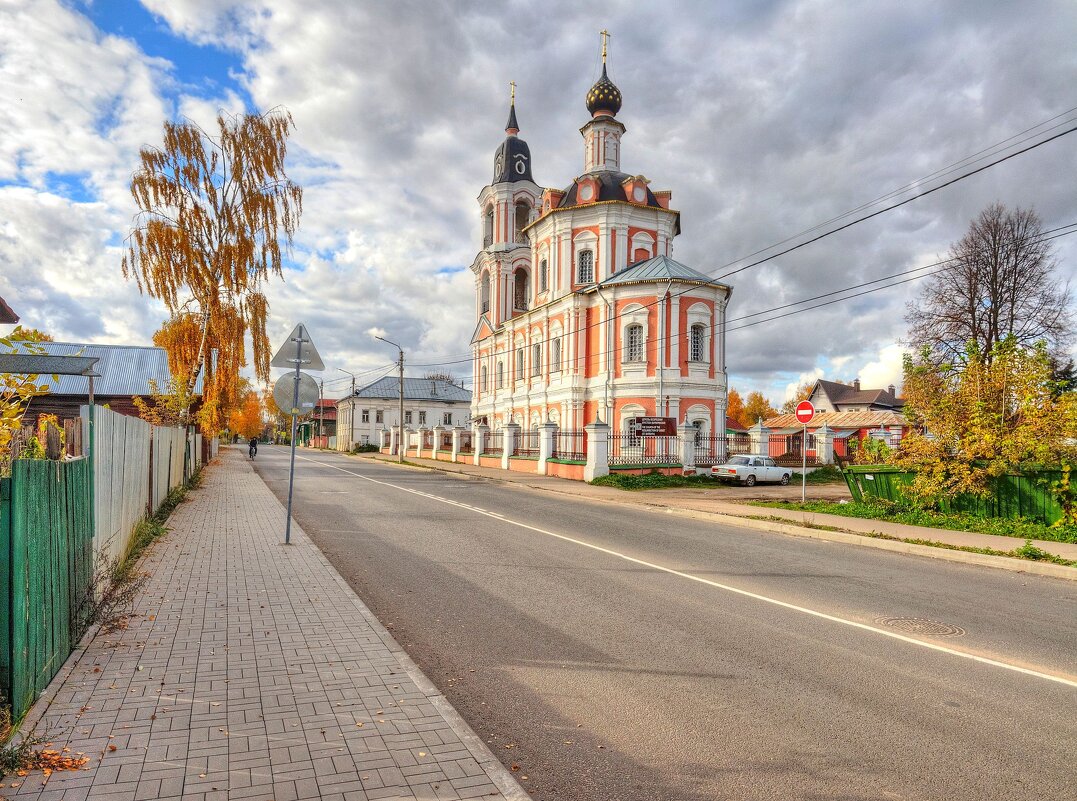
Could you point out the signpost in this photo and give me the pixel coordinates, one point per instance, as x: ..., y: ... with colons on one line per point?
x: 654, y: 426
x: 805, y: 413
x: 298, y: 351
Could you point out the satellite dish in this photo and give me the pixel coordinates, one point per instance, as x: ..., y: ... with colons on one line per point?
x: 284, y: 393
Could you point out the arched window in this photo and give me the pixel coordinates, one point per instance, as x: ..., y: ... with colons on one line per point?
x: 633, y: 351
x: 698, y: 348
x: 555, y: 356
x: 536, y: 359
x: 641, y: 254
x: 585, y: 267
x: 523, y: 214
x: 544, y: 276
x: 521, y: 289
x: 484, y: 293
x: 500, y: 375
x: 482, y: 380
x: 488, y: 227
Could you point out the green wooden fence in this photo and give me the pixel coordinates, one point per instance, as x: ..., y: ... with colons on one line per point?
x: 1013, y: 495
x: 46, y: 573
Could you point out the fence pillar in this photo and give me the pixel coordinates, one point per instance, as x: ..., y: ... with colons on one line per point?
x: 687, y: 434
x: 457, y: 433
x: 824, y: 445
x: 394, y: 439
x: 420, y: 437
x: 547, y: 433
x: 760, y: 436
x: 478, y: 438
x: 381, y: 438
x: 598, y: 451
x: 510, y: 436
x: 435, y: 441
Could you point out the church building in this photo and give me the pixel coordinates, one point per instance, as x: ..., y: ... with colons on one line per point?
x: 582, y: 314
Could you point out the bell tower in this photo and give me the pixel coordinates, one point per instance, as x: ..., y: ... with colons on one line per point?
x: 602, y: 135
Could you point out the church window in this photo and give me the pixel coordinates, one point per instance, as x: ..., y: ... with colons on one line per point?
x: 585, y: 272
x: 484, y: 293
x: 422, y: 418
x: 523, y: 214
x: 379, y: 416
x: 544, y: 276
x: 366, y: 415
x: 519, y: 364
x: 698, y: 351
x: 521, y: 289
x: 634, y: 343
x: 536, y: 359
x: 446, y: 418
x: 407, y: 418
x: 488, y: 227
x: 555, y: 356
x: 500, y: 375
x: 482, y: 381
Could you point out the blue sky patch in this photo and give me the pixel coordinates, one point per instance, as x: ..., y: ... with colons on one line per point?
x: 200, y: 70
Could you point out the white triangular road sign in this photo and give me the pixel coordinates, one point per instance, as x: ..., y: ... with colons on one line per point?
x: 306, y: 354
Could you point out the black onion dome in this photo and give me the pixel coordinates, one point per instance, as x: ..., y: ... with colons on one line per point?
x: 512, y: 161
x: 604, y: 97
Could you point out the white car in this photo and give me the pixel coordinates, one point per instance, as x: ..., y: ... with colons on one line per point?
x: 751, y: 468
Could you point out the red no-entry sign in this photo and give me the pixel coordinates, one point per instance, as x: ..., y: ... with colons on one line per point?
x: 805, y: 412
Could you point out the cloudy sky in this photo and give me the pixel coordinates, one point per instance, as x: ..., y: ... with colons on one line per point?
x: 764, y: 118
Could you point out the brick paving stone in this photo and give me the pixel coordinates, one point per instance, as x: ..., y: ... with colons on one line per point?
x: 242, y: 673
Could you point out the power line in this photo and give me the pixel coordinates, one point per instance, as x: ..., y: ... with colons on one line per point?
x: 936, y: 174
x: 1055, y: 233
x: 893, y: 206
x: 470, y: 359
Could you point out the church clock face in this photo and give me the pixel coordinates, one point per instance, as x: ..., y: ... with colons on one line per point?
x: 521, y: 164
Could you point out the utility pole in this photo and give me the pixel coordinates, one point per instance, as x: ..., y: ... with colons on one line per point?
x: 321, y: 406
x: 400, y: 447
x: 351, y: 414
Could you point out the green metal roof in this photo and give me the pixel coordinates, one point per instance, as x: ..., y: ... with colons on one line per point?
x: 660, y: 268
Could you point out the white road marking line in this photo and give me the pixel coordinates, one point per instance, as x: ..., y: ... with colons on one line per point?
x: 718, y: 585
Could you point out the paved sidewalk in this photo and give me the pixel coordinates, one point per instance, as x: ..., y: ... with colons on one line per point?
x: 724, y: 501
x: 250, y: 670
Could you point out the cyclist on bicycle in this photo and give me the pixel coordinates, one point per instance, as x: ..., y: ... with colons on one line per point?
x: 253, y: 448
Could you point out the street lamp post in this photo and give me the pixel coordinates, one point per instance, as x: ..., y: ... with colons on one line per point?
x: 400, y: 421
x: 351, y: 414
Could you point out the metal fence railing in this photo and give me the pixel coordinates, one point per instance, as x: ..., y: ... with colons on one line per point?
x: 428, y: 440
x: 570, y: 445
x: 715, y: 449
x: 787, y: 450
x: 495, y: 443
x: 466, y: 442
x: 444, y: 440
x: 527, y: 443
x: 629, y: 449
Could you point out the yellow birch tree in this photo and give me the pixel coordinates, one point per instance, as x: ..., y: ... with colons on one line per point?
x: 213, y: 211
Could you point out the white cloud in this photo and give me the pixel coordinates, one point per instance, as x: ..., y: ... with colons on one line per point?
x: 760, y: 129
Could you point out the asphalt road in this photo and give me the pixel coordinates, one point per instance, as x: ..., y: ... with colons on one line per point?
x: 611, y: 653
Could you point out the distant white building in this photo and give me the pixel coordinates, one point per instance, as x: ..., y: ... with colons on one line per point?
x: 428, y: 402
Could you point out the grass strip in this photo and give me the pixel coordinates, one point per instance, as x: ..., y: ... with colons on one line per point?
x: 1019, y: 528
x: 1027, y: 551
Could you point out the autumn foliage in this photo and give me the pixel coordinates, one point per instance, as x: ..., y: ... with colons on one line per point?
x: 213, y: 211
x: 998, y: 414
x: 247, y: 417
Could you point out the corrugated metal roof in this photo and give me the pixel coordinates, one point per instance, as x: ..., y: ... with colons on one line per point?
x: 426, y: 389
x: 124, y: 369
x: 659, y: 268
x: 836, y: 420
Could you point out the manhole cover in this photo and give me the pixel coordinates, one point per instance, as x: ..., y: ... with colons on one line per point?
x: 921, y: 626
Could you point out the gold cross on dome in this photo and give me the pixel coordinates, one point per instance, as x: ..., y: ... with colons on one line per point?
x: 605, y: 37
x: 512, y: 85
